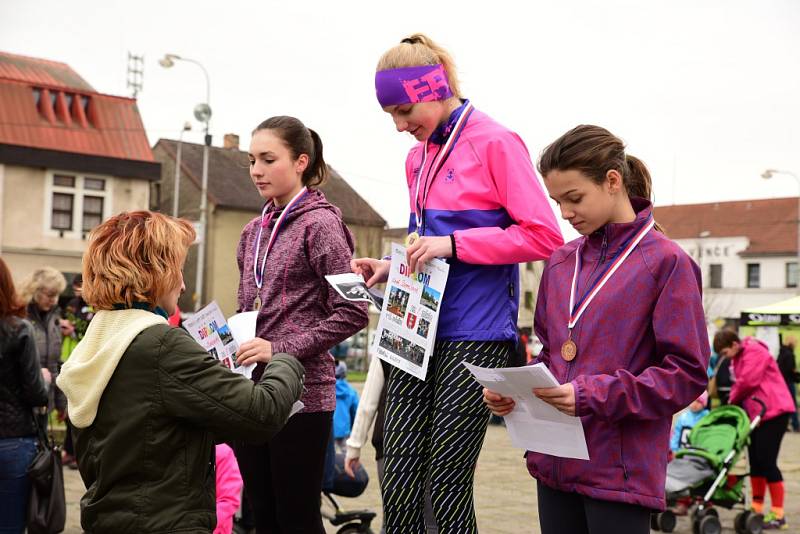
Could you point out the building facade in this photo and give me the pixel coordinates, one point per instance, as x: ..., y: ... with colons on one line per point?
x: 70, y: 157
x: 746, y: 250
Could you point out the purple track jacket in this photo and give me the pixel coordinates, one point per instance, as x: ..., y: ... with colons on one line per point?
x: 642, y: 356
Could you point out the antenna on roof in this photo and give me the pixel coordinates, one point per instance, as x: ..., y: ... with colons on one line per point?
x: 135, y: 73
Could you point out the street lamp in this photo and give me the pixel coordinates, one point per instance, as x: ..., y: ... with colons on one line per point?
x: 769, y: 173
x: 176, y: 188
x: 202, y: 112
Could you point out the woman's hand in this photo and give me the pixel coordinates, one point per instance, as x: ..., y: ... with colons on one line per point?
x: 374, y: 271
x: 498, y: 405
x: 425, y: 249
x: 350, y: 466
x: 562, y: 397
x: 254, y: 351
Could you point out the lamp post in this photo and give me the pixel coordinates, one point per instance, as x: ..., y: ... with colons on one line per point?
x: 176, y: 190
x: 769, y: 173
x: 202, y: 112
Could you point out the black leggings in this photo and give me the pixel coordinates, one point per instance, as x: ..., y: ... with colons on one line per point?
x: 571, y: 513
x: 283, y: 477
x: 765, y: 443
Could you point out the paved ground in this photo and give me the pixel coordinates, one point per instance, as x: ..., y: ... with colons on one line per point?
x: 505, y: 495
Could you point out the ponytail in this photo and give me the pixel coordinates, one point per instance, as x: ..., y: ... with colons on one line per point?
x: 418, y: 50
x: 300, y: 140
x: 317, y: 171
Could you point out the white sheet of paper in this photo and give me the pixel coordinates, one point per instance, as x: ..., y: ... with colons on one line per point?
x: 296, y: 407
x: 243, y: 328
x: 534, y: 425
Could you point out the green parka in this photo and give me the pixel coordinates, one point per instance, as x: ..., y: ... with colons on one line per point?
x: 147, y: 459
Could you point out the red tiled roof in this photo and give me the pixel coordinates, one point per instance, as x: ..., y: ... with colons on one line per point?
x: 47, y: 105
x: 770, y: 224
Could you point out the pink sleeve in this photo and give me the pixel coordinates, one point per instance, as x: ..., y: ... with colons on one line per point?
x: 229, y: 489
x: 535, y: 233
x: 749, y: 371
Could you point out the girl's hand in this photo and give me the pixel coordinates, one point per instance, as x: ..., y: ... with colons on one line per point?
x: 562, y: 397
x: 254, y: 351
x: 425, y: 249
x: 497, y: 404
x: 350, y: 466
x: 374, y: 271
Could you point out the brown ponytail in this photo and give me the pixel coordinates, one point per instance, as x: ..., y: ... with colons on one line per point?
x: 300, y: 140
x: 418, y: 50
x: 594, y: 151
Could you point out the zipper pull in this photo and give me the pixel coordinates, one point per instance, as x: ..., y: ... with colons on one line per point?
x: 604, y: 247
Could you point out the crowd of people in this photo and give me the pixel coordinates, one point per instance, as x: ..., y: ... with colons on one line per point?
x: 165, y: 439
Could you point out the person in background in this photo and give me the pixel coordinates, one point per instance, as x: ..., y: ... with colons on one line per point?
x: 788, y: 366
x: 346, y: 406
x: 757, y: 376
x: 23, y: 387
x: 229, y: 488
x: 79, y: 314
x: 686, y: 421
x: 40, y: 290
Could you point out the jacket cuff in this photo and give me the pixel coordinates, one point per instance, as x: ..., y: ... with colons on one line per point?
x: 580, y: 398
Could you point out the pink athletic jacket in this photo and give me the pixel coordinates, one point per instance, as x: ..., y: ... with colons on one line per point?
x: 757, y: 375
x: 229, y: 489
x: 488, y: 196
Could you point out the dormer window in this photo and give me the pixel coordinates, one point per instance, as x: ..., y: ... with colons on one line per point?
x: 68, y: 108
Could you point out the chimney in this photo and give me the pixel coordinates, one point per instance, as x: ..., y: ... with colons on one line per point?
x: 231, y: 141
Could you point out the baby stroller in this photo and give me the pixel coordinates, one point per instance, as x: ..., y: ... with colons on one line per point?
x: 701, y: 473
x: 355, y: 521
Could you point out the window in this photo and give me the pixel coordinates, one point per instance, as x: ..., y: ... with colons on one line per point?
x: 62, y: 211
x: 792, y: 274
x: 529, y: 300
x: 92, y: 212
x: 76, y: 204
x: 715, y: 276
x: 753, y: 275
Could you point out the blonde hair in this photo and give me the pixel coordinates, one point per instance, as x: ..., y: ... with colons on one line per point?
x: 418, y: 50
x: 42, y: 279
x: 135, y: 257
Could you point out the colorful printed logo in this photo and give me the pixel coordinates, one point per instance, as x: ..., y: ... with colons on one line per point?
x: 451, y: 176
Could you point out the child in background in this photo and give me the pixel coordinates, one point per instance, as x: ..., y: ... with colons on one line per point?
x: 229, y: 489
x: 688, y: 418
x: 346, y: 406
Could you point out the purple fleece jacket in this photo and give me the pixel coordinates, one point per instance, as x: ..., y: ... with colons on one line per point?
x: 642, y: 356
x: 301, y: 314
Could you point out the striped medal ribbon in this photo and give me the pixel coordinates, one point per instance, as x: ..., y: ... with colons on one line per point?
x: 436, y: 166
x: 259, y: 276
x: 569, y: 349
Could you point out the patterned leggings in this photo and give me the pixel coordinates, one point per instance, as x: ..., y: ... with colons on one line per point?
x: 435, y: 429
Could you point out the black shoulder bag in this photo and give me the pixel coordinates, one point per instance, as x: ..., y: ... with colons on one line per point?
x: 47, y: 507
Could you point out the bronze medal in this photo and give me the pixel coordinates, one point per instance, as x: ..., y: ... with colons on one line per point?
x: 411, y: 238
x: 569, y: 350
x: 257, y: 304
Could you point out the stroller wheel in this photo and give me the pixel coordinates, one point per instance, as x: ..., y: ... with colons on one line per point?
x: 709, y: 524
x: 754, y: 524
x: 667, y: 521
x: 654, y: 522
x: 739, y: 522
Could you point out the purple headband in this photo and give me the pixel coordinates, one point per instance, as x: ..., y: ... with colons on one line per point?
x: 410, y: 85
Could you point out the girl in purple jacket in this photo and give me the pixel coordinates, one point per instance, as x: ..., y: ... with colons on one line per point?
x: 620, y: 315
x: 474, y: 199
x: 284, y: 255
x: 757, y: 375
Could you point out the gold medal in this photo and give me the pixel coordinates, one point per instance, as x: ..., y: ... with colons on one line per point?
x: 411, y: 238
x: 257, y: 303
x: 569, y: 350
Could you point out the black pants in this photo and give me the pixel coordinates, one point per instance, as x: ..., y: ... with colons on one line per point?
x: 571, y: 513
x: 283, y: 477
x: 765, y: 443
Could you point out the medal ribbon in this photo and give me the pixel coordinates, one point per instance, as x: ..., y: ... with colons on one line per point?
x: 259, y: 276
x: 577, y: 310
x: 436, y: 165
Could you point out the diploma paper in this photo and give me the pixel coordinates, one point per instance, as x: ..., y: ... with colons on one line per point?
x: 407, y: 326
x: 534, y: 425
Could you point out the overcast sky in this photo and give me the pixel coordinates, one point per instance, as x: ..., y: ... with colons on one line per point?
x: 707, y: 93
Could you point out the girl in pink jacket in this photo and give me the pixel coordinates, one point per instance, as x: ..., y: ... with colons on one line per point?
x: 229, y: 489
x: 757, y: 375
